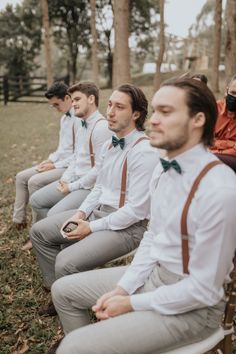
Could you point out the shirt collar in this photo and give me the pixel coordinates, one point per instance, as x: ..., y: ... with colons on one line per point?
x: 129, y: 138
x: 92, y: 117
x: 189, y: 159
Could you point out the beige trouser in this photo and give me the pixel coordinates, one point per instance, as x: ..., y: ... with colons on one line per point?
x: 27, y: 182
x: 57, y: 256
x: 138, y: 332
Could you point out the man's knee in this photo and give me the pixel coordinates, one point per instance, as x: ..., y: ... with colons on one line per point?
x: 34, y: 183
x: 65, y: 265
x: 34, y: 201
x: 22, y: 178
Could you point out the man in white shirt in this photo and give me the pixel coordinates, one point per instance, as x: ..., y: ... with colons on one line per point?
x: 34, y: 178
x: 112, y: 219
x: 80, y: 176
x: 165, y: 298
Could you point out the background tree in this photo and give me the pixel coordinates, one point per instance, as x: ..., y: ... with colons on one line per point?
x: 20, y: 38
x: 121, y: 62
x: 71, y: 29
x: 95, y: 64
x: 230, y: 44
x: 47, y: 48
x: 157, y: 76
x: 217, y: 45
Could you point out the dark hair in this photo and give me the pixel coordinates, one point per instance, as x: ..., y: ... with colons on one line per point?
x: 88, y: 88
x: 139, y: 103
x: 200, y: 77
x: 57, y: 89
x: 199, y: 98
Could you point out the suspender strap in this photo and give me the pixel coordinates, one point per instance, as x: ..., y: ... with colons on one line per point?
x: 184, y: 228
x: 73, y: 137
x: 124, y: 176
x: 91, y: 144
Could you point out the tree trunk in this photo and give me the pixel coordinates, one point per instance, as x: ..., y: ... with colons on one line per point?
x: 95, y: 66
x: 121, y: 59
x: 217, y: 45
x: 47, y: 48
x: 157, y: 76
x: 230, y: 45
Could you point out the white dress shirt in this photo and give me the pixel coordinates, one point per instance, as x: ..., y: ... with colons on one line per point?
x: 65, y: 150
x: 80, y: 173
x: 212, y: 236
x: 142, y: 159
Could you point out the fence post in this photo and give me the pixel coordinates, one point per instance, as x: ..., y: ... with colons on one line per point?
x: 5, y: 89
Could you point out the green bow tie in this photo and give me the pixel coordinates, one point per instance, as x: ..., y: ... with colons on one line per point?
x: 168, y: 164
x: 84, y: 123
x: 116, y: 141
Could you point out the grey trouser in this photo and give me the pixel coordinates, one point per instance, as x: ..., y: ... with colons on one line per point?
x: 48, y: 197
x: 93, y: 251
x: 138, y: 332
x: 27, y: 182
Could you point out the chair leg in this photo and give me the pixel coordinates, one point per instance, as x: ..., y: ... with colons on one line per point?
x: 227, y: 344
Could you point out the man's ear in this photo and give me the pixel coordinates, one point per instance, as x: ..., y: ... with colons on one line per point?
x: 199, y: 120
x: 91, y: 99
x: 136, y: 115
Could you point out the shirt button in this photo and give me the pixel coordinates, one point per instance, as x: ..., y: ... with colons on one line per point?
x: 228, y: 129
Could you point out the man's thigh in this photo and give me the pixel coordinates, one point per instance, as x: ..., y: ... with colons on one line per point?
x: 46, y: 197
x: 26, y: 174
x: 42, y: 179
x: 138, y: 332
x: 48, y: 229
x: 93, y: 251
x: 72, y: 200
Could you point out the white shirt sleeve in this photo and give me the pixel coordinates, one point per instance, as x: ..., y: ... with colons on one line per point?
x: 210, y: 259
x: 139, y: 173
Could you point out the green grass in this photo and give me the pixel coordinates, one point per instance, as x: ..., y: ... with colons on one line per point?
x: 28, y: 133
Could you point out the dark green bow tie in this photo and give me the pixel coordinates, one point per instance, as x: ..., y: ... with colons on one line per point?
x: 68, y: 114
x: 116, y: 141
x: 84, y: 123
x: 168, y: 164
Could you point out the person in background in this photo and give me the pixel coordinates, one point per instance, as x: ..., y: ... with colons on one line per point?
x: 224, y: 146
x: 30, y: 180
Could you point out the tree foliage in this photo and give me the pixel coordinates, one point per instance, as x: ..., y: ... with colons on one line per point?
x: 20, y: 38
x: 71, y: 28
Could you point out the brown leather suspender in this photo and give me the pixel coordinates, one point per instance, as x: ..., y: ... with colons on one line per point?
x: 91, y: 144
x: 73, y: 137
x: 124, y: 173
x: 184, y: 228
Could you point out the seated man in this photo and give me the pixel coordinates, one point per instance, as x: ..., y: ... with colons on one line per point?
x: 225, y: 131
x: 112, y: 219
x: 172, y: 293
x: 34, y: 178
x: 80, y: 176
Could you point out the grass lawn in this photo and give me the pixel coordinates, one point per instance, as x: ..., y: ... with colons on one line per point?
x: 28, y: 134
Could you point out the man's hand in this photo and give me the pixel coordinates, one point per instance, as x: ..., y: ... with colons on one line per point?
x: 81, y: 231
x: 63, y: 187
x: 45, y: 166
x: 112, y: 304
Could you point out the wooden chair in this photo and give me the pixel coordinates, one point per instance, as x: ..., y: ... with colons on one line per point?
x: 121, y: 258
x: 221, y: 340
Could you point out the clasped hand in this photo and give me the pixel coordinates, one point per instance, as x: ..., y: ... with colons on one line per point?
x: 112, y: 304
x: 63, y: 187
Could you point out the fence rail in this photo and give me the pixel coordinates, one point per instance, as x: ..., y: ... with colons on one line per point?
x: 24, y: 89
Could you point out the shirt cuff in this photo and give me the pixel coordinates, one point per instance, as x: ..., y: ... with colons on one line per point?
x: 98, y: 225
x: 141, y: 302
x: 59, y: 164
x: 74, y: 186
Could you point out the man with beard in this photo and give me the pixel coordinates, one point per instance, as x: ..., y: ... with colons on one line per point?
x: 225, y: 130
x: 172, y: 293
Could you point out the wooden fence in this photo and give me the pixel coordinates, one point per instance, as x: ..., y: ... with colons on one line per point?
x: 24, y: 89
